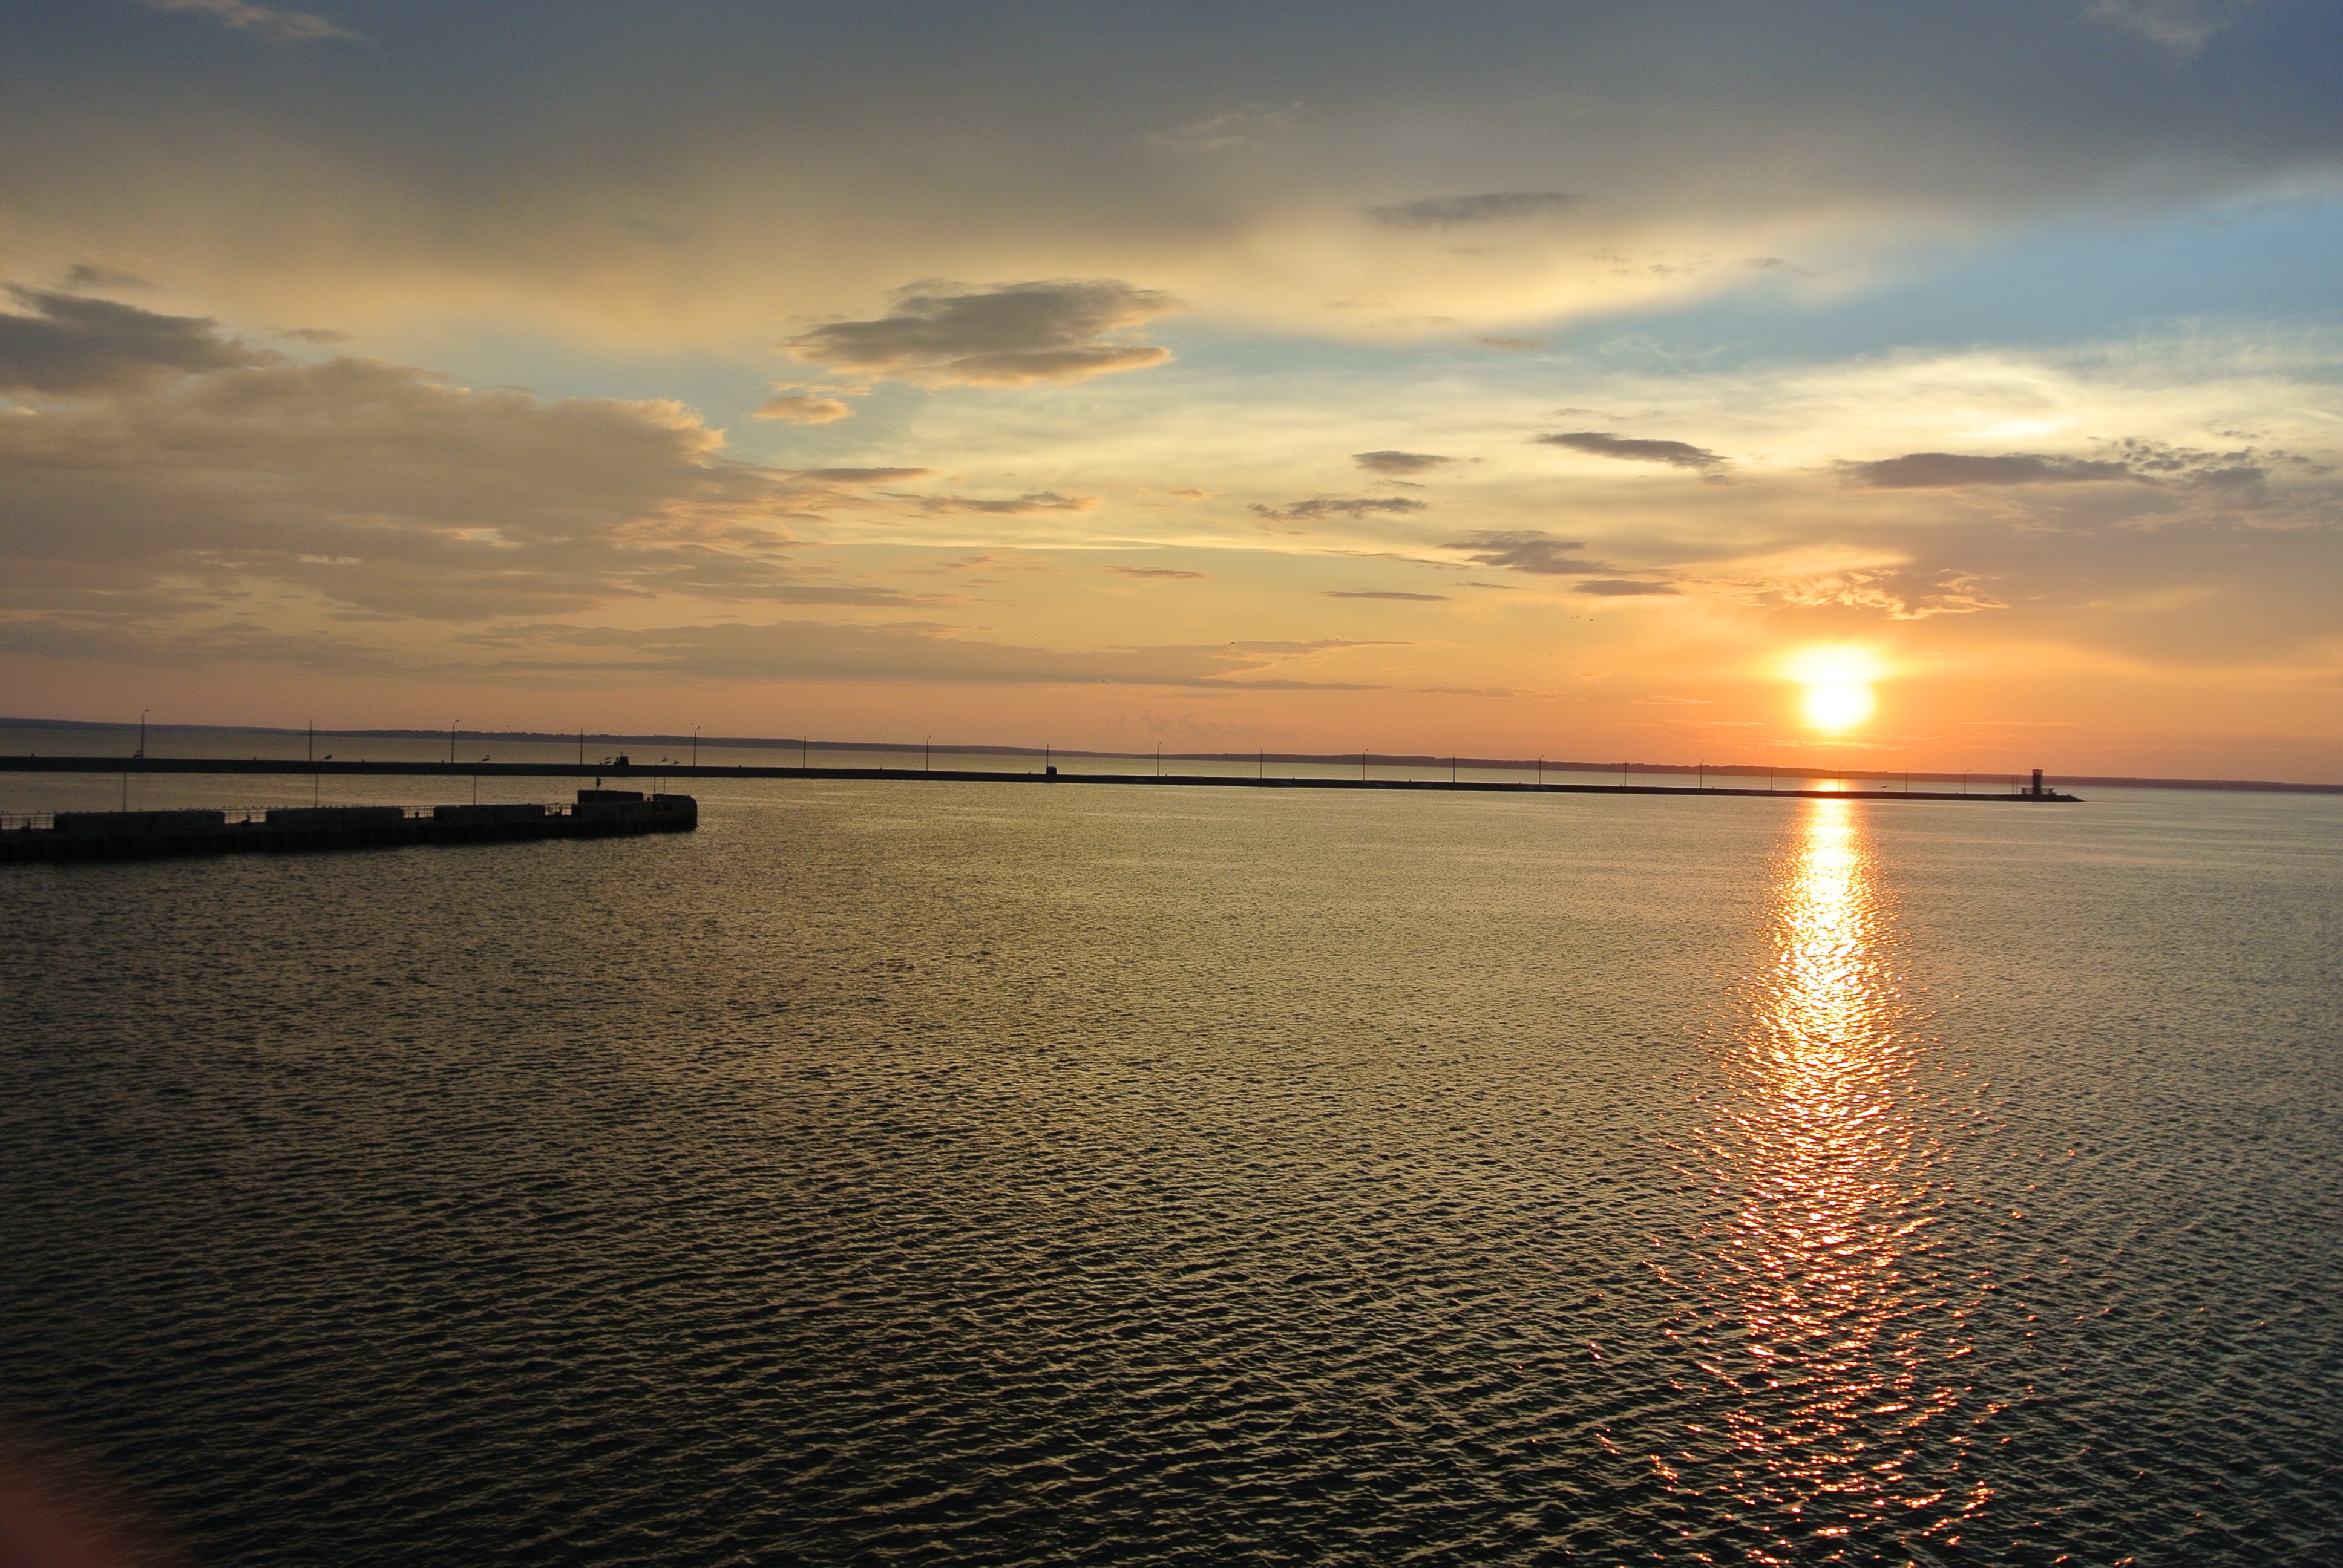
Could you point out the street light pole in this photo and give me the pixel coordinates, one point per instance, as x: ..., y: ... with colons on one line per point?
x: 451, y: 740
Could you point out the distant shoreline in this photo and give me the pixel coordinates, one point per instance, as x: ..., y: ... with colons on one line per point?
x: 666, y: 771
x: 1331, y: 759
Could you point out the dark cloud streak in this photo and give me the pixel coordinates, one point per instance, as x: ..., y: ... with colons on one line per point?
x: 1319, y: 507
x: 1014, y: 335
x: 1532, y: 550
x: 1952, y: 470
x: 1630, y: 449
x: 71, y: 344
x: 1396, y: 464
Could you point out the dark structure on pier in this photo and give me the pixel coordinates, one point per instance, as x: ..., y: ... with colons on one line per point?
x: 141, y: 835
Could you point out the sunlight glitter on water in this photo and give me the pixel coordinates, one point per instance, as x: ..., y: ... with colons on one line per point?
x: 1827, y: 1319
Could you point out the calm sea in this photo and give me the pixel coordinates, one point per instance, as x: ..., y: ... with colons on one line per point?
x: 1018, y: 1173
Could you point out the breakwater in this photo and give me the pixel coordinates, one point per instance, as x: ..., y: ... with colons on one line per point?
x: 143, y: 835
x: 2039, y: 791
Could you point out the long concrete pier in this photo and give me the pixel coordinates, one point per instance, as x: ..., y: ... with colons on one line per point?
x: 299, y: 767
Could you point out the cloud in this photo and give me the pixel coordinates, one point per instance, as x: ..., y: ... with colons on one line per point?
x: 563, y: 655
x: 1901, y: 593
x: 1397, y: 463
x: 863, y: 475
x: 1021, y: 505
x: 797, y: 408
x: 809, y: 176
x: 1318, y: 508
x: 1477, y: 692
x: 1461, y: 211
x: 1244, y: 128
x: 1615, y: 587
x: 1675, y: 454
x: 357, y: 485
x: 71, y: 344
x: 2240, y: 472
x: 1512, y: 344
x: 292, y: 26
x: 1014, y: 334
x: 1165, y: 573
x: 898, y: 652
x: 2181, y: 27
x: 1949, y: 470
x: 1528, y: 550
x: 1379, y: 593
x: 89, y: 274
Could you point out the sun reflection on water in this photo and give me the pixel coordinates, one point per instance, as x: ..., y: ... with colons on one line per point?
x: 1830, y: 1325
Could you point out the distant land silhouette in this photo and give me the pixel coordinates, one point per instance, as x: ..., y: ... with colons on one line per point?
x: 641, y: 740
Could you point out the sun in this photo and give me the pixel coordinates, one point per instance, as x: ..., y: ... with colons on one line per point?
x: 1837, y: 707
x: 1838, y: 682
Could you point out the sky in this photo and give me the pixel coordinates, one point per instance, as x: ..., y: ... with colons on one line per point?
x: 1890, y: 386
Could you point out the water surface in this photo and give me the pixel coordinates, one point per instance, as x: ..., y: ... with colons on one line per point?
x: 1001, y: 1173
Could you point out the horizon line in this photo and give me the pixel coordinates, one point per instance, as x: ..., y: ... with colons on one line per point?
x: 1387, y: 758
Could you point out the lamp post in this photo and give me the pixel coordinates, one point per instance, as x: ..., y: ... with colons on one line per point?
x: 927, y: 754
x: 142, y: 733
x: 451, y: 740
x: 695, y: 748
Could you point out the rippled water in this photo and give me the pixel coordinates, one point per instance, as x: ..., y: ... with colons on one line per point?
x: 1017, y: 1173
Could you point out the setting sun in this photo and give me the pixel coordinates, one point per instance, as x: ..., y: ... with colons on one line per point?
x: 1837, y: 682
x: 1837, y: 707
